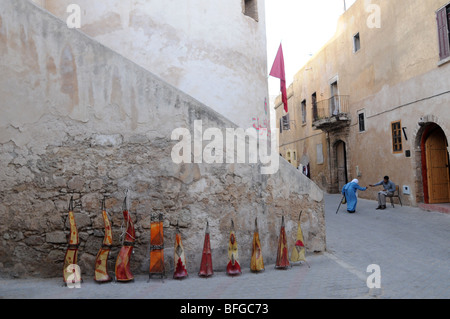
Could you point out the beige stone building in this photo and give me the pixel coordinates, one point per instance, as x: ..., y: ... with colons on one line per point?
x: 375, y: 101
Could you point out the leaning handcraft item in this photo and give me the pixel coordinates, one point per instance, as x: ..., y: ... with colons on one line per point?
x: 101, y: 262
x: 233, y: 267
x: 179, y: 257
x: 298, y: 252
x: 256, y: 262
x: 71, y: 271
x: 282, y: 252
x: 206, y: 268
x: 123, y: 272
x: 157, y: 268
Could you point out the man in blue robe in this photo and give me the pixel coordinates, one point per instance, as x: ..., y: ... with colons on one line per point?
x: 349, y: 190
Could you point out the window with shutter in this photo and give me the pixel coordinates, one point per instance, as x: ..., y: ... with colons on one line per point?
x: 303, y: 111
x: 361, y: 121
x: 286, y: 123
x: 397, y: 137
x: 443, y: 22
x: 356, y: 43
x: 314, y: 106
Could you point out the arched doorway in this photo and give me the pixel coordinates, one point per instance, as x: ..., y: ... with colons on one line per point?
x: 435, y: 165
x: 341, y: 164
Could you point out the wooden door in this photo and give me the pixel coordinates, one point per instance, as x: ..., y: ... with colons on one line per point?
x: 341, y: 164
x: 437, y: 168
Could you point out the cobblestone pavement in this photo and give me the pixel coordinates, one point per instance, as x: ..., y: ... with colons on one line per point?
x: 411, y: 247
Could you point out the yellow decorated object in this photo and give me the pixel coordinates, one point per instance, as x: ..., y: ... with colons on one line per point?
x: 71, y: 272
x: 256, y: 262
x: 233, y: 267
x: 298, y: 252
x: 101, y: 261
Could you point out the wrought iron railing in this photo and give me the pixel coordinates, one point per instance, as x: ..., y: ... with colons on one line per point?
x: 337, y: 105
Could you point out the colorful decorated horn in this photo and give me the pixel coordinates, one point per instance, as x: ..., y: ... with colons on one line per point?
x: 71, y: 271
x: 101, y: 261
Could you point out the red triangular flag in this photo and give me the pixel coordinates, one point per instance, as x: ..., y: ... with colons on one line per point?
x: 278, y: 72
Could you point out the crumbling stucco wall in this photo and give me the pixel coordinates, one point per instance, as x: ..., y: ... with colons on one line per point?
x: 207, y: 48
x: 79, y: 119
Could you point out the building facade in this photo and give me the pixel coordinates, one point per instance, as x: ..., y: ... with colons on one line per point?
x: 374, y: 101
x: 213, y: 50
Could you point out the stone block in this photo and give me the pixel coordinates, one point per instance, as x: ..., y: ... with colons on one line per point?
x: 56, y: 237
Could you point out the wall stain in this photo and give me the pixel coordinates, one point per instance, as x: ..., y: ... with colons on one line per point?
x: 3, y: 38
x: 134, y: 111
x: 69, y: 79
x: 28, y: 50
x: 109, y: 23
x: 116, y: 93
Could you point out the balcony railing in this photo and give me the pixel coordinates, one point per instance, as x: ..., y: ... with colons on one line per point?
x: 331, y: 113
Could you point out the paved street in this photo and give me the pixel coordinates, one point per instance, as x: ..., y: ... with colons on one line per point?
x: 410, y: 245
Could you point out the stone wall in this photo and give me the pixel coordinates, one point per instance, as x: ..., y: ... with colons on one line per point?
x: 78, y: 119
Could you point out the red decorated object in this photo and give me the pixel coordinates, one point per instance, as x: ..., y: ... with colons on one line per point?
x: 282, y: 252
x: 206, y: 267
x: 179, y: 258
x: 123, y: 272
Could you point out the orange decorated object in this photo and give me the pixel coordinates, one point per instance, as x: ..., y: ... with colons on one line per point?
x: 122, y: 270
x: 179, y: 258
x: 206, y: 268
x: 101, y: 262
x: 256, y: 261
x: 70, y: 274
x: 282, y: 252
x: 157, y: 268
x: 233, y: 266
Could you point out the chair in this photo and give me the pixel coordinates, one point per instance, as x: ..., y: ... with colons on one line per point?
x: 397, y: 195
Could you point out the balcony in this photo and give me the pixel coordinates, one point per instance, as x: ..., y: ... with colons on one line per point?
x: 331, y: 114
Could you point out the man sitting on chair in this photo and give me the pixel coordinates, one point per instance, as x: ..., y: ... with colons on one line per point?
x: 389, y: 189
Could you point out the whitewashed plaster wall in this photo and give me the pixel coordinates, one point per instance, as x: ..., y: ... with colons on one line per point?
x: 207, y: 48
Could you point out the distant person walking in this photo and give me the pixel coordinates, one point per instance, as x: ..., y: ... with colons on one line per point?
x: 388, y: 190
x: 349, y: 190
